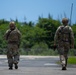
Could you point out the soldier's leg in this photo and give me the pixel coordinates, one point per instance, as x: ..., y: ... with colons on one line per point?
x: 66, y: 50
x: 65, y: 59
x: 16, y: 60
x: 62, y: 60
x: 16, y: 56
x: 10, y: 61
x: 66, y: 56
x: 10, y: 56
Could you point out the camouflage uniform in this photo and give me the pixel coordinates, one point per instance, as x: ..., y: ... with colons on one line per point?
x: 13, y: 39
x: 64, y: 38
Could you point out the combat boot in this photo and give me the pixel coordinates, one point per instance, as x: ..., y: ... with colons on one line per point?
x: 64, y: 68
x: 10, y: 66
x: 16, y: 66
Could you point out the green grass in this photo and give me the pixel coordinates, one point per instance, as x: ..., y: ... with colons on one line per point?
x: 72, y: 60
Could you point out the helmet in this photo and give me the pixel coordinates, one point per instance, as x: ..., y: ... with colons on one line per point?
x: 64, y: 20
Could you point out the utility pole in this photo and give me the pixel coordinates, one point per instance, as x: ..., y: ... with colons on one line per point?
x: 71, y: 13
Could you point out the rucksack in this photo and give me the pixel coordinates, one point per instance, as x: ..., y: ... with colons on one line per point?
x: 64, y: 33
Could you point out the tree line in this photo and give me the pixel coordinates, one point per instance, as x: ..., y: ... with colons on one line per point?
x: 37, y: 38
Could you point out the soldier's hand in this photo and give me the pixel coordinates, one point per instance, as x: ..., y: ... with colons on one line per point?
x: 72, y: 46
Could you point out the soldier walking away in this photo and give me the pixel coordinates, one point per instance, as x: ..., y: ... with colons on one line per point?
x: 12, y: 37
x: 64, y: 39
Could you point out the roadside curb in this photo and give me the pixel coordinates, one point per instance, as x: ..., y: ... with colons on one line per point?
x: 31, y: 56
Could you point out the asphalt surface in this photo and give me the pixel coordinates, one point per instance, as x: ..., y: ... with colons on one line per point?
x: 36, y: 65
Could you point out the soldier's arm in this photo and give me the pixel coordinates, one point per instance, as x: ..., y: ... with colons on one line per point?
x: 19, y: 38
x: 6, y: 34
x: 71, y: 38
x: 19, y: 34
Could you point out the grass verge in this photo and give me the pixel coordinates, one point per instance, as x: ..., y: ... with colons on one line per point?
x: 72, y: 60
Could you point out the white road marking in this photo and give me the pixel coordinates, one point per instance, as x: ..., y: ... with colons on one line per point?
x: 48, y: 64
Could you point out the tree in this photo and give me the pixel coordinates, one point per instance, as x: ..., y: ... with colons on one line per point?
x: 49, y: 26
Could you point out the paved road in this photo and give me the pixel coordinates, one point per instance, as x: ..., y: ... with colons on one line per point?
x: 33, y: 61
x: 36, y: 65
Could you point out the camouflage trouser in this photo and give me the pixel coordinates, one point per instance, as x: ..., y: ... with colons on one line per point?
x: 63, y: 50
x: 13, y: 54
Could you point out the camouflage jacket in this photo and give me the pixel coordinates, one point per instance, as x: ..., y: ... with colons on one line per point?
x: 13, y: 35
x: 64, y: 34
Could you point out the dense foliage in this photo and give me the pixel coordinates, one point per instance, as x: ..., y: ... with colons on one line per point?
x: 36, y: 38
